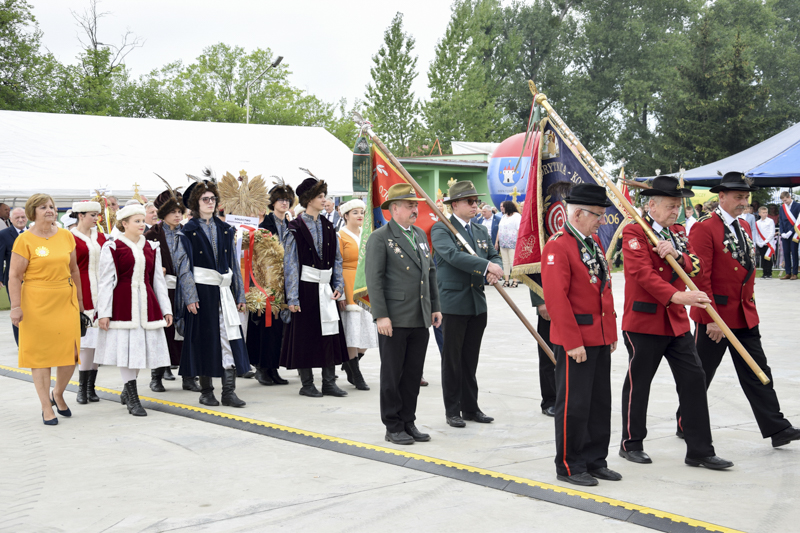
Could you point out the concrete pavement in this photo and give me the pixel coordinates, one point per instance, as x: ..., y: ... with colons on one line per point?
x: 104, y: 470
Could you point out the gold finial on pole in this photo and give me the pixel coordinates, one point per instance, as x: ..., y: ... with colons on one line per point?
x: 136, y: 193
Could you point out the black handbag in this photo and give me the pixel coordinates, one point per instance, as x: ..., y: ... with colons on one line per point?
x: 86, y: 323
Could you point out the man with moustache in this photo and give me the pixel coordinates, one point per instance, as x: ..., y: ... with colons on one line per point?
x: 725, y: 247
x: 404, y: 299
x: 460, y: 278
x: 577, y: 288
x: 655, y: 325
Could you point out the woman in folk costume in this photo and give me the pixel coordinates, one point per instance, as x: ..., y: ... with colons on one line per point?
x: 133, y: 305
x: 88, y: 243
x: 213, y: 344
x: 359, y: 330
x: 313, y: 272
x: 264, y: 343
x: 176, y: 265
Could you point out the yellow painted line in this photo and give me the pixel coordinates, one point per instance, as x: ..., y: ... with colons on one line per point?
x: 524, y: 481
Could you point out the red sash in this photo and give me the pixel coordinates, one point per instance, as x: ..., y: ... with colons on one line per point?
x: 771, y: 251
x: 793, y: 220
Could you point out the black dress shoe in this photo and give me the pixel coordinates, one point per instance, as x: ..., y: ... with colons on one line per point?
x: 416, y: 434
x: 51, y: 422
x: 275, y: 377
x: 400, y: 437
x: 636, y: 456
x: 785, y: 436
x: 456, y: 421
x: 605, y: 473
x: 713, y: 462
x: 65, y: 412
x: 477, y: 416
x: 311, y: 391
x: 549, y: 411
x: 583, y: 479
x: 263, y: 377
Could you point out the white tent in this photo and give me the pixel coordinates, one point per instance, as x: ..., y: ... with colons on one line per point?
x: 69, y: 155
x: 466, y: 147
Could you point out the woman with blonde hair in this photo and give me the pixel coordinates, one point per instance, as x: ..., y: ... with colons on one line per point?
x: 47, y: 307
x: 133, y: 305
x: 88, y: 243
x: 360, y: 331
x: 507, y: 239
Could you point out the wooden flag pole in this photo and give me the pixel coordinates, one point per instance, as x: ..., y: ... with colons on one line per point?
x: 541, y: 99
x: 367, y: 127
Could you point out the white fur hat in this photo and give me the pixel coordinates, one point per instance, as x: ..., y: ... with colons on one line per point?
x: 355, y: 203
x: 130, y: 210
x: 86, y: 207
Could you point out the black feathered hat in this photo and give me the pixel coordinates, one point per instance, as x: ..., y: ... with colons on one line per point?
x: 280, y: 191
x: 310, y: 188
x: 667, y: 186
x: 197, y: 189
x: 734, y: 181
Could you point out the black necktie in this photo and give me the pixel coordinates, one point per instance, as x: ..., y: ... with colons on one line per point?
x: 469, y: 230
x: 739, y: 236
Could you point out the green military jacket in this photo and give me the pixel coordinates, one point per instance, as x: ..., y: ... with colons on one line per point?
x: 460, y: 274
x: 401, y: 279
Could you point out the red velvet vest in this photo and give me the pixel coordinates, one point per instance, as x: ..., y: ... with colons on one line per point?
x: 135, y: 303
x: 88, y: 260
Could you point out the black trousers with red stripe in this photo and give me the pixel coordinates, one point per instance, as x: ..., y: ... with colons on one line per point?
x: 644, y: 355
x: 583, y: 410
x: 763, y: 399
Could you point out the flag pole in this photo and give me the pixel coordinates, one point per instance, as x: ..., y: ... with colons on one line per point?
x: 367, y: 127
x: 541, y: 99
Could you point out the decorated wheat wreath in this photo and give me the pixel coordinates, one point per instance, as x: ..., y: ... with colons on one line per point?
x: 267, y: 264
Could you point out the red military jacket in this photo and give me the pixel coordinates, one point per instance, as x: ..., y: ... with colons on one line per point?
x: 650, y: 283
x: 582, y: 312
x: 727, y: 282
x: 87, y: 254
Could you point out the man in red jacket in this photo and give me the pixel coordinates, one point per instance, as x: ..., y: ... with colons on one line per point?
x: 583, y: 330
x: 655, y: 325
x: 725, y: 247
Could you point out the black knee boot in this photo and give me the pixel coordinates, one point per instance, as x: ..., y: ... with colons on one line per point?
x: 83, y: 383
x: 263, y: 377
x: 307, y: 379
x: 275, y: 377
x: 329, y: 386
x: 134, y: 404
x: 358, y: 378
x: 91, y: 395
x: 156, y: 375
x: 229, y: 397
x: 207, y: 392
x: 190, y: 383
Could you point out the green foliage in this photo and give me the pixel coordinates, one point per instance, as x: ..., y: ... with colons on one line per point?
x: 391, y: 105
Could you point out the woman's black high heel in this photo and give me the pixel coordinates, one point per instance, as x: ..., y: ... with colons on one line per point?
x: 53, y: 422
x: 65, y: 412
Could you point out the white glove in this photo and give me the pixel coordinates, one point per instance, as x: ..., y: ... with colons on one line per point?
x: 787, y: 235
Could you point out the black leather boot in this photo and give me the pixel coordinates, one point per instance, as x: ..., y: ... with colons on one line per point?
x: 207, y: 392
x: 348, y: 369
x: 168, y: 375
x: 190, y: 383
x: 307, y: 379
x: 329, y: 386
x: 156, y: 375
x: 229, y: 397
x: 358, y: 378
x: 83, y: 382
x: 91, y: 395
x: 275, y: 377
x: 134, y: 404
x: 263, y: 377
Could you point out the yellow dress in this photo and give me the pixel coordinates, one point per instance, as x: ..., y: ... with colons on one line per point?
x: 349, y: 249
x: 50, y: 331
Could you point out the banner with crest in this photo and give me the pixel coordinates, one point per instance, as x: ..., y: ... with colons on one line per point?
x: 555, y: 165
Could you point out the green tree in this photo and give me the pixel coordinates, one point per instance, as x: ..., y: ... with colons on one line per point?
x: 26, y: 74
x: 391, y: 103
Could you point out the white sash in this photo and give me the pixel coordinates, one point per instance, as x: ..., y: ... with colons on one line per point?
x: 328, y: 316
x: 206, y: 276
x: 172, y: 281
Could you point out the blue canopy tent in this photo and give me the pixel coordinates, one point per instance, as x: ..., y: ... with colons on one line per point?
x: 772, y: 163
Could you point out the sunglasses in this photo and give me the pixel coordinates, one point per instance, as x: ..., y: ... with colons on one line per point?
x: 209, y: 199
x: 470, y: 201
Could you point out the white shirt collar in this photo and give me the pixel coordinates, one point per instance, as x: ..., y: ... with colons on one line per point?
x: 726, y: 217
x: 463, y: 223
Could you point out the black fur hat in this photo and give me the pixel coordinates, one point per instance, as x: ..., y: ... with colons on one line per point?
x: 167, y: 202
x: 280, y: 191
x: 310, y: 189
x: 198, y: 188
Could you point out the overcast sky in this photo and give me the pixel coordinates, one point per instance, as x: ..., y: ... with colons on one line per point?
x: 327, y: 44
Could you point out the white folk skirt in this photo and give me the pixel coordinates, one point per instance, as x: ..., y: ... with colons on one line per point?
x: 359, y: 329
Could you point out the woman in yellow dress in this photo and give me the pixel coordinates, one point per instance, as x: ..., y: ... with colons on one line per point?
x: 47, y: 306
x: 360, y: 331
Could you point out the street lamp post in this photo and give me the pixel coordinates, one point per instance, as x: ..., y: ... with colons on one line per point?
x: 273, y: 65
